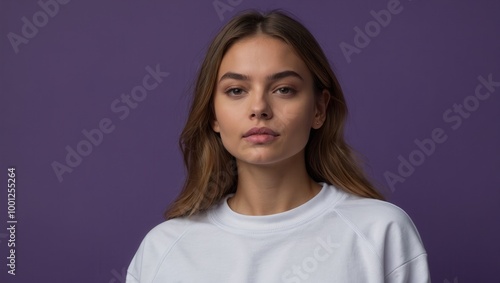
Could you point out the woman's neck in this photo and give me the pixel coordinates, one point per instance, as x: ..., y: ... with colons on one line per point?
x: 270, y: 189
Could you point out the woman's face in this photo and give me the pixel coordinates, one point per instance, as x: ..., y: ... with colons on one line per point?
x: 264, y: 101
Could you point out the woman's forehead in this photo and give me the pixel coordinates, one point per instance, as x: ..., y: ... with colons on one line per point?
x: 261, y: 56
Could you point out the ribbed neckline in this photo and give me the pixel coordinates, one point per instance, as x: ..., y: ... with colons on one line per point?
x: 223, y: 216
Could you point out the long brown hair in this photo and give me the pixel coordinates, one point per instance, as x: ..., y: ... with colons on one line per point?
x: 211, y: 170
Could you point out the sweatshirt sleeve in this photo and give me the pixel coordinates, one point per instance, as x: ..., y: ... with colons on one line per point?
x: 134, y: 269
x: 153, y: 249
x: 413, y: 271
x: 393, y: 237
x: 402, y: 250
x: 130, y: 278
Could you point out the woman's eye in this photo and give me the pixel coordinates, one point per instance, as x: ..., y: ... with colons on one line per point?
x: 234, y: 91
x: 285, y: 90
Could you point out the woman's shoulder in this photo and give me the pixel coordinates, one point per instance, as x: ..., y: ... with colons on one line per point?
x: 155, y: 247
x: 172, y: 230
x: 385, y: 227
x: 164, y: 236
x: 363, y: 211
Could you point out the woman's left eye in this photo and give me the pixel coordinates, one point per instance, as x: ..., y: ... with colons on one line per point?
x: 285, y: 90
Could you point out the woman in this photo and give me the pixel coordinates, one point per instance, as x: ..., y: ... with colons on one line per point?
x: 273, y: 192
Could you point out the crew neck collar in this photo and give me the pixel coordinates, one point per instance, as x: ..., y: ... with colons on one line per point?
x: 223, y: 216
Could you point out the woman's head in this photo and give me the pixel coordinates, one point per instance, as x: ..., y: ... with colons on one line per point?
x: 265, y: 103
x: 211, y: 170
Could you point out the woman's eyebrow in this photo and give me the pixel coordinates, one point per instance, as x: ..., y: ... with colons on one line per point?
x: 273, y: 77
x: 284, y: 74
x: 234, y: 76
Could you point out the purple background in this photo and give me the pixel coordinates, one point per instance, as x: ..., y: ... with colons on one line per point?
x: 87, y: 227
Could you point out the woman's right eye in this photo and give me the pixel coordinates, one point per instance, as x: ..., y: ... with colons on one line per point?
x: 234, y: 91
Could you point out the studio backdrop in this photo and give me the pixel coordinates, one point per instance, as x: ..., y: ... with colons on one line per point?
x: 94, y: 95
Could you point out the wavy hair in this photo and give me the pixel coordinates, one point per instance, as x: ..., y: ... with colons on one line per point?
x: 211, y: 170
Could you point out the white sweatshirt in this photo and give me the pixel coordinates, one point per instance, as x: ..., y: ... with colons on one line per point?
x: 334, y: 237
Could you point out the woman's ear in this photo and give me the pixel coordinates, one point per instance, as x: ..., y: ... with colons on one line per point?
x: 321, y: 105
x: 215, y: 126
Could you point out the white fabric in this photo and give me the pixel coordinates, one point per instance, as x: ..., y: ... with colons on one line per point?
x: 334, y: 237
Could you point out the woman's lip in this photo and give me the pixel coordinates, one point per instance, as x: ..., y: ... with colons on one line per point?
x: 260, y: 138
x: 263, y: 131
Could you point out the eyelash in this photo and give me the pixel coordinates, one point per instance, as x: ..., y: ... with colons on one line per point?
x: 291, y: 91
x: 230, y: 91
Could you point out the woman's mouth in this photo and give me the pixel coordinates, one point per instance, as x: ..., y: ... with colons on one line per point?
x: 260, y: 135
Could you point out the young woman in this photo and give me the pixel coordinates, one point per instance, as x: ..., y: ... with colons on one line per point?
x: 273, y: 192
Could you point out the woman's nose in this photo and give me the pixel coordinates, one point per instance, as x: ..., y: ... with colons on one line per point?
x: 260, y: 107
